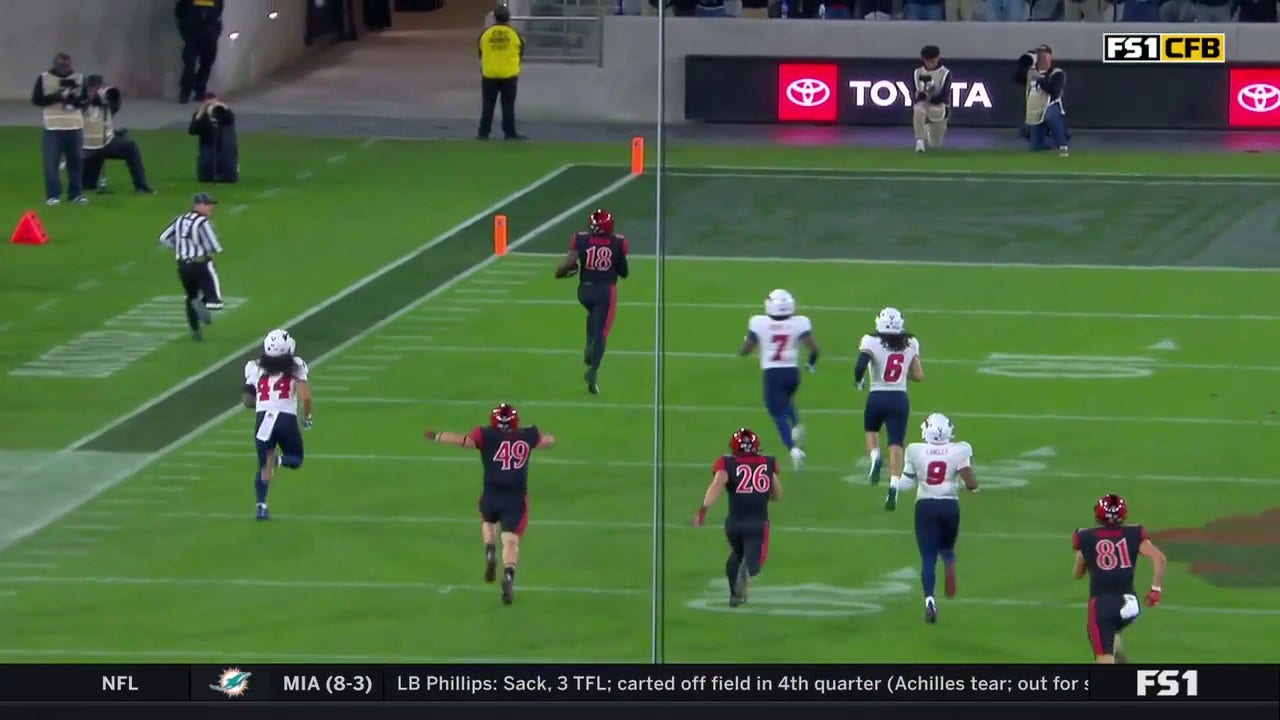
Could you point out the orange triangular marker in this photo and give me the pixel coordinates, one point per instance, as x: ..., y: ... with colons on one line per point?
x: 29, y: 231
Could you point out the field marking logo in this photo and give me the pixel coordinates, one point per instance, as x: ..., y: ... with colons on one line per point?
x: 1259, y: 97
x: 1147, y: 48
x: 808, y: 92
x: 232, y: 682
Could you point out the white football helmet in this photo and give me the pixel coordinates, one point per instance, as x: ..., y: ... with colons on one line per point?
x: 278, y: 343
x: 890, y: 321
x: 937, y: 429
x: 779, y: 304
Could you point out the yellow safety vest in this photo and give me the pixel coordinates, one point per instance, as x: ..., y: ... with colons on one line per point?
x: 58, y: 116
x: 500, y: 50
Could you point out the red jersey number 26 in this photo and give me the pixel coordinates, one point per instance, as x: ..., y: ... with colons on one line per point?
x: 753, y: 479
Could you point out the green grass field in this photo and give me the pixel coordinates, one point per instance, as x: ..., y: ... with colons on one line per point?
x: 1098, y: 324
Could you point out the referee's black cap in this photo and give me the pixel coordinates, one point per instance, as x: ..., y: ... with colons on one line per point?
x: 203, y: 199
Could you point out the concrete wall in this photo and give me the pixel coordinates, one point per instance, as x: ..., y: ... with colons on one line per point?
x: 625, y: 88
x: 135, y: 43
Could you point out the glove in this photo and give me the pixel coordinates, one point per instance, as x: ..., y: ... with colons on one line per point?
x: 306, y: 422
x: 813, y: 368
x: 431, y: 434
x: 701, y: 518
x: 891, y: 500
x: 862, y: 384
x: 1153, y: 597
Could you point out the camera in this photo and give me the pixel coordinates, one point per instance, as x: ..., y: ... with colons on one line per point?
x: 68, y: 84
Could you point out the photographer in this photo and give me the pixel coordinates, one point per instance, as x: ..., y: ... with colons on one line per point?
x: 103, y: 142
x: 930, y: 112
x: 60, y: 92
x: 219, y: 157
x: 1046, y: 126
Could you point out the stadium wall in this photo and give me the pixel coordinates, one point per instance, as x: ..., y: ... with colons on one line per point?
x: 624, y: 86
x: 135, y: 43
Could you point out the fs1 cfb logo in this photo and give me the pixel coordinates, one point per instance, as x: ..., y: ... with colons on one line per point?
x: 1146, y: 48
x: 1168, y: 683
x: 807, y: 92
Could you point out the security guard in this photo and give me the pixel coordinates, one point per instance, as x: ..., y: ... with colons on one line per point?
x: 501, y: 50
x: 200, y: 24
x: 103, y: 142
x: 60, y: 92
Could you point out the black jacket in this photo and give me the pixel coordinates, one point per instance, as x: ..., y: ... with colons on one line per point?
x: 195, y: 16
x: 39, y: 99
x: 216, y: 128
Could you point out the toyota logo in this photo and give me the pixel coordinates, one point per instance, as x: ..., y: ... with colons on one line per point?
x: 807, y: 92
x: 1258, y: 97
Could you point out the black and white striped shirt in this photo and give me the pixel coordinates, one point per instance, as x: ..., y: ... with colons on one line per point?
x: 191, y: 237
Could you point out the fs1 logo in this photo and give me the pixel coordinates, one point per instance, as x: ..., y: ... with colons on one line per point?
x: 1139, y: 48
x: 1170, y: 683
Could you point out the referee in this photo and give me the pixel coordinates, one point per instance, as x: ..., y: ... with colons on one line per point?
x: 194, y: 244
x: 501, y: 50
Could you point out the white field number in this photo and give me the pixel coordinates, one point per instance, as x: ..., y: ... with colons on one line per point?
x: 998, y: 475
x: 1071, y: 367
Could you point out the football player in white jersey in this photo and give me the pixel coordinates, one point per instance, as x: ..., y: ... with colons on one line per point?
x: 936, y: 464
x: 779, y: 333
x: 888, y: 358
x: 273, y: 384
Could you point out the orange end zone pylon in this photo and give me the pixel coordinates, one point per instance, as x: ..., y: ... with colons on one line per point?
x: 500, y: 235
x: 637, y: 156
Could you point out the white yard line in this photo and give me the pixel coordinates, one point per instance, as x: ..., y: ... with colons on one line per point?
x: 751, y: 307
x: 46, y: 305
x: 87, y: 285
x: 730, y: 356
x: 946, y: 263
x: 12, y: 536
x: 1010, y: 177
x: 259, y: 656
x: 311, y: 586
x: 16, y: 565
x: 1137, y: 178
x: 55, y: 552
x: 1046, y: 475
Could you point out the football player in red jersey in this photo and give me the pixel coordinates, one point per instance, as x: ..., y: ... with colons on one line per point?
x: 1109, y: 555
x: 598, y: 257
x: 505, y: 449
x: 752, y: 480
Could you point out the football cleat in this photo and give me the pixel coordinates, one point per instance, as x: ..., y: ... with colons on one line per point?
x: 740, y: 584
x: 891, y: 500
x: 797, y: 458
x: 797, y: 435
x: 593, y: 387
x: 930, y: 611
x: 508, y: 591
x: 202, y: 312
x: 490, y: 566
x: 262, y: 512
x: 874, y: 474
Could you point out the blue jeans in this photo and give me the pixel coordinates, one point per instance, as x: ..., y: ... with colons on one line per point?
x: 711, y: 12
x: 1142, y: 11
x: 1006, y: 10
x: 917, y: 11
x: 59, y: 144
x: 1052, y: 133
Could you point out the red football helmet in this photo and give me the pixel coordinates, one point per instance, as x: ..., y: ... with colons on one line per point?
x: 600, y: 222
x: 504, y: 417
x: 744, y: 442
x: 1110, y: 510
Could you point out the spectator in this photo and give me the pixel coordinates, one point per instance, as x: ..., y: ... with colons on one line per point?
x: 839, y: 10
x: 924, y: 10
x: 710, y: 8
x: 1142, y: 11
x: 1258, y: 11
x: 1006, y: 10
x: 967, y: 10
x: 1090, y: 11
x: 1213, y: 11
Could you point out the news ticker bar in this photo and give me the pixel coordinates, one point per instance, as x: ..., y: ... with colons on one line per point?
x: 638, y: 683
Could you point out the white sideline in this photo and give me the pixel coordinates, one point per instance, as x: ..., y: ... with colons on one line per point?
x: 842, y: 471
x: 10, y: 538
x: 906, y: 176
